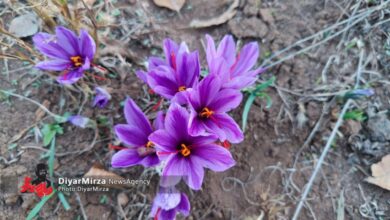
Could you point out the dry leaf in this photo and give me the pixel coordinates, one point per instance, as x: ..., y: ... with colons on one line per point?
x: 24, y: 25
x: 98, y: 172
x: 381, y: 173
x: 174, y: 5
x: 40, y: 113
x: 224, y: 17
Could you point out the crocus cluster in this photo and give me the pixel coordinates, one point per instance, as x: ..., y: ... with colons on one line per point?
x: 192, y: 134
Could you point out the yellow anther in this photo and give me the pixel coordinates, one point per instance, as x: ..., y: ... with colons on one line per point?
x: 185, y: 151
x: 182, y: 88
x: 77, y: 61
x: 206, y: 112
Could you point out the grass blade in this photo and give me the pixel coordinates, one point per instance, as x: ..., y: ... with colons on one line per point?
x: 63, y: 200
x: 247, y: 107
x: 38, y: 207
x: 51, y: 158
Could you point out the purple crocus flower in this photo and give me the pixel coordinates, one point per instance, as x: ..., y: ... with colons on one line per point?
x: 208, y: 106
x: 187, y: 156
x: 235, y: 71
x: 171, y: 77
x: 168, y: 202
x: 79, y: 121
x: 135, y: 135
x: 68, y: 53
x: 102, y: 97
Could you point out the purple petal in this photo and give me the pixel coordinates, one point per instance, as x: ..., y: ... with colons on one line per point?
x: 195, y: 125
x: 240, y: 82
x: 86, y: 65
x: 199, y: 141
x: 188, y: 69
x: 170, y: 48
x: 211, y: 52
x: 180, y: 98
x: 135, y: 117
x: 46, y: 44
x: 176, y: 122
x: 246, y: 59
x: 167, y: 215
x: 208, y: 89
x: 168, y: 198
x: 150, y: 160
x: 142, y: 75
x: 87, y: 45
x: 126, y: 158
x: 162, y: 81
x: 229, y: 126
x: 227, y: 99
x: 227, y: 50
x: 102, y: 97
x: 154, y: 62
x: 70, y: 77
x: 158, y: 122
x: 194, y: 175
x: 184, y: 206
x: 164, y: 141
x: 213, y: 156
x: 68, y: 40
x: 131, y: 135
x: 78, y: 121
x: 173, y: 171
x: 54, y: 65
x: 215, y: 127
x: 220, y: 68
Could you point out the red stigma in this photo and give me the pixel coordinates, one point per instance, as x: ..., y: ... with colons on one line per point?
x: 173, y: 60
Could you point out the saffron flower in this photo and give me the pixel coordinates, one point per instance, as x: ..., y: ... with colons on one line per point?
x: 68, y: 53
x: 79, y: 121
x: 187, y: 156
x: 135, y: 135
x: 235, y: 71
x: 101, y: 98
x: 208, y: 104
x: 168, y: 202
x: 171, y: 77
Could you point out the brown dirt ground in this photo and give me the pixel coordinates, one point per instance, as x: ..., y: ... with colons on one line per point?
x: 264, y: 179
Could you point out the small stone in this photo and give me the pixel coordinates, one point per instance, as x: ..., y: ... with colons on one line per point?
x: 378, y: 126
x: 11, y: 199
x: 122, y: 199
x: 266, y: 15
x: 251, y: 27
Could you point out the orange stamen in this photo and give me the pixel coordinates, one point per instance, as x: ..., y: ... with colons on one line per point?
x: 206, y: 113
x: 182, y: 88
x: 149, y: 144
x: 77, y: 61
x: 185, y: 151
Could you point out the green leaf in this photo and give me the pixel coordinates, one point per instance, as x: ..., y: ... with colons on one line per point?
x: 39, y: 206
x: 63, y: 200
x: 51, y: 157
x: 247, y: 107
x: 357, y: 115
x: 256, y: 92
x: 48, y: 134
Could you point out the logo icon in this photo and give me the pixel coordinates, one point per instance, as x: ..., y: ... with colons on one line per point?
x: 40, y: 185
